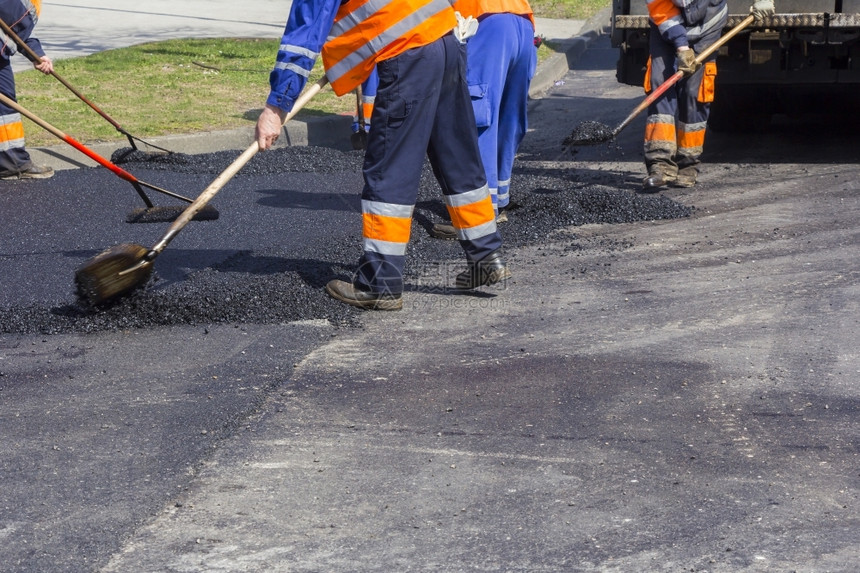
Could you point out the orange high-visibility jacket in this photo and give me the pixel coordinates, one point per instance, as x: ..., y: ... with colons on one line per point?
x: 366, y: 32
x: 669, y: 20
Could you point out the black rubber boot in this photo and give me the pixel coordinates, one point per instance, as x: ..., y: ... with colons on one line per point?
x: 489, y: 270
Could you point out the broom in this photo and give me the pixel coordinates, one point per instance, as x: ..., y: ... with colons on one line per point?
x: 123, y: 268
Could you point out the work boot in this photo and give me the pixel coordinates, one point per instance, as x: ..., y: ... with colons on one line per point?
x: 686, y: 177
x: 32, y: 172
x: 659, y: 175
x: 489, y: 270
x: 348, y: 293
x: 443, y: 231
x: 447, y: 231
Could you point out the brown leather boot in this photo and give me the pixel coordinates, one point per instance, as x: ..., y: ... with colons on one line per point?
x: 660, y: 175
x: 686, y: 177
x: 346, y: 292
x: 32, y: 172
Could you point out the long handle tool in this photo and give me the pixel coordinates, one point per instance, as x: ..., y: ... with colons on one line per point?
x: 359, y: 138
x: 35, y: 58
x: 592, y: 132
x: 151, y: 214
x: 123, y: 268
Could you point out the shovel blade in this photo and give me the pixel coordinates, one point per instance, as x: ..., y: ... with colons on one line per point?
x: 590, y: 133
x: 359, y: 140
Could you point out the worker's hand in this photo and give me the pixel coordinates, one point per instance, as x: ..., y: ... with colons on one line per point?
x: 761, y: 9
x: 46, y: 66
x: 686, y: 61
x: 269, y: 126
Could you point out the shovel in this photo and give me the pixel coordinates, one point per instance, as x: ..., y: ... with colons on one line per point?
x: 592, y: 132
x: 359, y: 138
x: 123, y: 268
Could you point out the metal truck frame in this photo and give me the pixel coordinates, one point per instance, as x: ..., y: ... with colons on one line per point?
x: 804, y: 56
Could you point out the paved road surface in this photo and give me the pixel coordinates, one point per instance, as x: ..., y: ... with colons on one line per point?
x: 666, y: 395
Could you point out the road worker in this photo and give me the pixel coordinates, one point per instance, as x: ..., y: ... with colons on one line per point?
x: 501, y: 61
x: 676, y: 123
x: 422, y: 109
x: 15, y: 163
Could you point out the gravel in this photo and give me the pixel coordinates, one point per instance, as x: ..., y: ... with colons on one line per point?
x: 589, y: 133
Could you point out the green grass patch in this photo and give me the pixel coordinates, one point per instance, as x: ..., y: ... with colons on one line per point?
x: 175, y: 86
x: 568, y: 9
x: 184, y: 86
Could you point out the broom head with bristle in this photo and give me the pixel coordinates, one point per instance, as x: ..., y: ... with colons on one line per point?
x: 113, y: 273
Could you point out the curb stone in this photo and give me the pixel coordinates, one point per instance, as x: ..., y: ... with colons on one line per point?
x: 557, y: 65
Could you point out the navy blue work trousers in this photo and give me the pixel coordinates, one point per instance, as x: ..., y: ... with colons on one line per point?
x: 13, y: 157
x: 422, y: 110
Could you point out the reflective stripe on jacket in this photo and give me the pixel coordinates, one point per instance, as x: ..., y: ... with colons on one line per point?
x: 682, y: 22
x: 669, y: 21
x: 477, y: 8
x: 711, y: 20
x: 365, y: 32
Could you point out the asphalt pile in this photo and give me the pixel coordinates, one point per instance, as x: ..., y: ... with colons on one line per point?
x: 273, y: 287
x: 589, y: 133
x: 281, y: 160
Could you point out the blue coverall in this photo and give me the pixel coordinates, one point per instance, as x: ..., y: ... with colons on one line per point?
x: 368, y: 99
x: 501, y: 63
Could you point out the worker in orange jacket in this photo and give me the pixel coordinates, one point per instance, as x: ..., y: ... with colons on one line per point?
x: 422, y: 109
x: 677, y: 120
x: 500, y: 62
x: 15, y: 162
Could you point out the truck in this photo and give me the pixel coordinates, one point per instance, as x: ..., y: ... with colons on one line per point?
x: 803, y: 58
